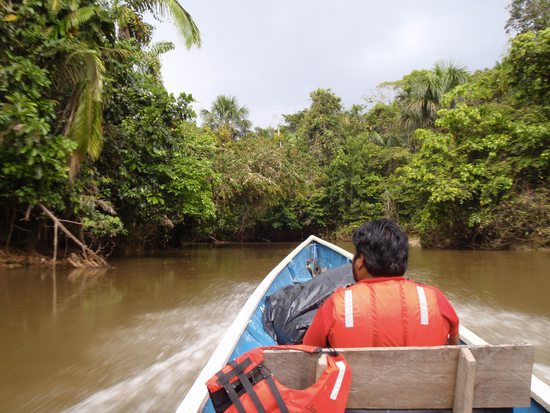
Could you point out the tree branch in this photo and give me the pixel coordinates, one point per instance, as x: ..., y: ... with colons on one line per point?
x: 97, y: 260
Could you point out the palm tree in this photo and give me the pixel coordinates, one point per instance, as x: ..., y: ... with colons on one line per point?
x: 226, y: 115
x: 421, y: 100
x: 128, y: 14
x: 81, y: 67
x: 78, y: 73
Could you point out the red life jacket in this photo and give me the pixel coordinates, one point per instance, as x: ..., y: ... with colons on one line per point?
x: 246, y: 385
x: 387, y: 313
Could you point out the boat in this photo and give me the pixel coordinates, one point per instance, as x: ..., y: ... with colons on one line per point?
x: 247, y: 331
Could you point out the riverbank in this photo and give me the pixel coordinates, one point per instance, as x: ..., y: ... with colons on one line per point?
x: 13, y: 258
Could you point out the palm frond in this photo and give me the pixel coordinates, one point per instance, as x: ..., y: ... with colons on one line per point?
x: 74, y: 4
x: 161, y: 47
x: 82, y: 15
x: 150, y: 60
x: 75, y: 19
x: 85, y: 127
x: 120, y: 52
x: 225, y: 113
x: 243, y: 112
x: 376, y: 138
x: 206, y: 117
x: 124, y: 14
x: 451, y: 73
x: 130, y: 22
x: 55, y: 6
x: 420, y: 103
x: 456, y: 75
x: 181, y: 18
x: 66, y: 72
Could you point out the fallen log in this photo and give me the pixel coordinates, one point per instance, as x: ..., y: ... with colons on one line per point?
x: 90, y: 257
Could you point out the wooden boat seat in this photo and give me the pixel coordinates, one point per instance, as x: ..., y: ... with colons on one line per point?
x: 449, y: 377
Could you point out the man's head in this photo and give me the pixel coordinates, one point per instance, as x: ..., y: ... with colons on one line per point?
x: 381, y: 250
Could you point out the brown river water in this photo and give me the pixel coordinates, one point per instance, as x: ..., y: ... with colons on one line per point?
x: 134, y: 337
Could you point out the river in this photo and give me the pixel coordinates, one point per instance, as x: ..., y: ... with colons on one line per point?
x: 132, y: 338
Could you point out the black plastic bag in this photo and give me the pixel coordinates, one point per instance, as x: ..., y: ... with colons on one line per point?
x: 290, y: 311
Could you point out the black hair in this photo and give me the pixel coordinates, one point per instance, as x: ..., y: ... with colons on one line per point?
x: 384, y: 246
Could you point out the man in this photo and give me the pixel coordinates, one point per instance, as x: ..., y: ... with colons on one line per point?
x: 383, y: 308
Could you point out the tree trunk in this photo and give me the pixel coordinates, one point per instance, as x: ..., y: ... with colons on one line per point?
x: 92, y: 258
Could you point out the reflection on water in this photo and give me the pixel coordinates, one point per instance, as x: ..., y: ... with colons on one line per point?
x: 130, y: 339
x: 134, y: 337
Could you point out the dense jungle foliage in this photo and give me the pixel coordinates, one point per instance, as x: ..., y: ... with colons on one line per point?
x: 88, y: 130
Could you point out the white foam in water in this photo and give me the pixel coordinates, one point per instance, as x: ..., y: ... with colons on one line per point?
x: 163, y: 338
x: 162, y: 385
x: 115, y: 398
x: 508, y: 327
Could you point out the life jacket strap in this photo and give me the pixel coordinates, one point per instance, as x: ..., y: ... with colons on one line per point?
x: 230, y: 390
x: 245, y: 384
x: 235, y: 371
x: 221, y: 399
x: 276, y: 394
x: 251, y: 392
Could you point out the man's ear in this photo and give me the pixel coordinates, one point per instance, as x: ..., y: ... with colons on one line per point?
x: 360, y: 270
x: 358, y: 262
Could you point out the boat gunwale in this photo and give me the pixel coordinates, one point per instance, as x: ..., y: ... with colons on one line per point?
x: 196, y: 397
x: 540, y: 391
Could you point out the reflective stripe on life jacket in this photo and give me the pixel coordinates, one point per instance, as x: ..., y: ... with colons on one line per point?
x: 246, y: 386
x: 387, y: 313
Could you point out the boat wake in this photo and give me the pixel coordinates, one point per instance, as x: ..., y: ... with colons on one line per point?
x: 161, y: 386
x: 178, y: 342
x: 143, y: 392
x: 507, y: 327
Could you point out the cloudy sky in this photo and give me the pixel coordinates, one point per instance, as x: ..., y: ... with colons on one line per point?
x: 272, y: 54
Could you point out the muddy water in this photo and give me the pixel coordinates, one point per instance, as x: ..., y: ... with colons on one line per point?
x: 133, y: 338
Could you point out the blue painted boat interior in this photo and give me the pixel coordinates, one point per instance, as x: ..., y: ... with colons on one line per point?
x: 534, y: 408
x: 296, y: 272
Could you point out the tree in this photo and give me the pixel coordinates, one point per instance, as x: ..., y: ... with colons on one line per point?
x: 60, y: 84
x: 55, y: 56
x: 257, y: 174
x: 383, y: 123
x: 156, y: 165
x: 527, y: 68
x: 150, y: 58
x: 357, y: 181
x: 528, y: 15
x: 480, y: 177
x: 128, y: 15
x: 80, y: 41
x: 226, y: 116
x: 422, y: 91
x: 81, y: 65
x: 321, y: 127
